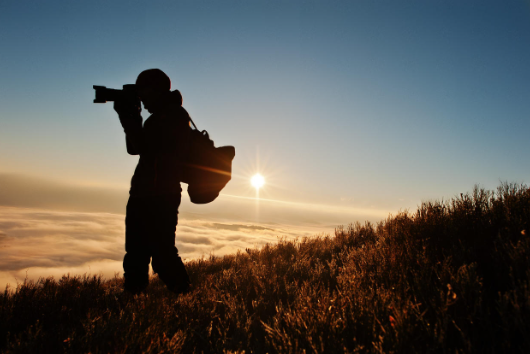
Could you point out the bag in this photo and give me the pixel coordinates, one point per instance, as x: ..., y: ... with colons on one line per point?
x: 207, y: 169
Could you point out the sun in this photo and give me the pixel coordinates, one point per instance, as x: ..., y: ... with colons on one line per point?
x: 257, y: 181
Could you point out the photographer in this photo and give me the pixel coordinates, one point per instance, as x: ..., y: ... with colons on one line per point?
x: 155, y: 192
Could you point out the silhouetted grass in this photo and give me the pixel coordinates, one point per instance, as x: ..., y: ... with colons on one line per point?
x: 452, y: 277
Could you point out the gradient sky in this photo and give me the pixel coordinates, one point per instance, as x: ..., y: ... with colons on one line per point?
x: 350, y: 109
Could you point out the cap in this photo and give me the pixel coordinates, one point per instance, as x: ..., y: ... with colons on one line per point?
x: 155, y: 79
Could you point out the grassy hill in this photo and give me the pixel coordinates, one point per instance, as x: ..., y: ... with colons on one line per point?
x: 451, y: 277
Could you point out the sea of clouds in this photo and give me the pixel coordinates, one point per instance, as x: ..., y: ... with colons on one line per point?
x: 51, y: 229
x: 38, y: 243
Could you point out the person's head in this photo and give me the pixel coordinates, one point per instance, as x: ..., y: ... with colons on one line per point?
x: 153, y: 85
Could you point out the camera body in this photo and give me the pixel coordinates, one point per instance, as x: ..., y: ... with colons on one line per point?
x: 104, y: 95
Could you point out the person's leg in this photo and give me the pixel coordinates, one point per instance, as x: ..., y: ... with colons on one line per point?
x: 137, y: 257
x: 166, y: 261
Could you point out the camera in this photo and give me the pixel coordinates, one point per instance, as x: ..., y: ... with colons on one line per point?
x: 104, y: 94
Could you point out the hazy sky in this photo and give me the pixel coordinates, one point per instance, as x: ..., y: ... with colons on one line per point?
x: 349, y: 109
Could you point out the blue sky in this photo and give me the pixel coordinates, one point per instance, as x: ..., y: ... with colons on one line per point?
x: 360, y: 105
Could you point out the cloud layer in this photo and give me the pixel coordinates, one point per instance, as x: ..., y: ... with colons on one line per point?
x: 36, y: 243
x: 50, y: 229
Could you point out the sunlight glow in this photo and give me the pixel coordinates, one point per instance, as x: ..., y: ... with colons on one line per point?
x: 257, y: 181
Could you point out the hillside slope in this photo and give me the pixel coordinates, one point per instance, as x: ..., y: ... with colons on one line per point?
x: 451, y: 277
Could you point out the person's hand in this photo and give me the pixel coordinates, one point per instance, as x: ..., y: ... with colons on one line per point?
x: 129, y: 113
x: 127, y: 107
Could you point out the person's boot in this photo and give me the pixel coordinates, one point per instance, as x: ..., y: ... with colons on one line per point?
x: 134, y: 285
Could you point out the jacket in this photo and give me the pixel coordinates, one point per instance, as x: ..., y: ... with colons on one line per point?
x: 162, y: 143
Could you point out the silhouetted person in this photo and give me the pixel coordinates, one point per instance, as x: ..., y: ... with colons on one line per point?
x: 155, y: 192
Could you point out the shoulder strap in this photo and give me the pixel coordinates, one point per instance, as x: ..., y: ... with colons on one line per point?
x: 188, y: 116
x: 192, y: 122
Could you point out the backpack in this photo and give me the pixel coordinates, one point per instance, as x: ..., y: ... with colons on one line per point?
x: 207, y: 168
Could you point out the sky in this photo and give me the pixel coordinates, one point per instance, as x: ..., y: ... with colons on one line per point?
x: 351, y: 110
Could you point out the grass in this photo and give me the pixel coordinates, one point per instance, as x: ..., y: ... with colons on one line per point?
x: 452, y: 277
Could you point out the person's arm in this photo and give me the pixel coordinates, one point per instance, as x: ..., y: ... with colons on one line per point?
x: 131, y: 121
x: 133, y: 141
